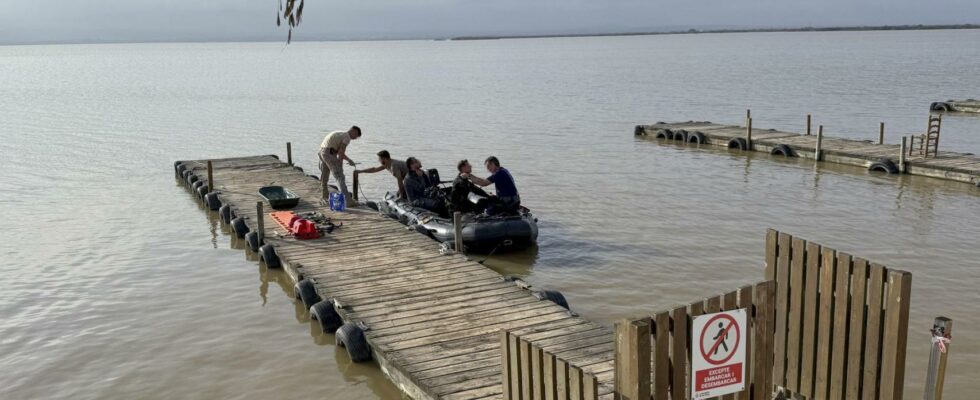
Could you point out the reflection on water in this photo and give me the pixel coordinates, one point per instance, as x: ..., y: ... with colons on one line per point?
x: 131, y: 293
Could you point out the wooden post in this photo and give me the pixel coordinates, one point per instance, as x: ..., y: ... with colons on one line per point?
x: 942, y: 329
x: 901, y: 156
x: 458, y: 231
x: 881, y: 133
x: 748, y: 114
x: 748, y: 133
x: 808, y: 124
x: 816, y: 153
x: 260, y: 221
x: 356, y: 186
x: 632, y: 348
x: 210, y: 177
x: 289, y: 153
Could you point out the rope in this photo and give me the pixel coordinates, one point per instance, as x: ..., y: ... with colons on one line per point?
x: 940, y: 339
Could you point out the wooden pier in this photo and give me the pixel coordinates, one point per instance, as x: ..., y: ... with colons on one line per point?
x: 965, y: 106
x: 874, y: 155
x: 432, y: 321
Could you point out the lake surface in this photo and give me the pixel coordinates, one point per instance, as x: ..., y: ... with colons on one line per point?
x: 117, y: 285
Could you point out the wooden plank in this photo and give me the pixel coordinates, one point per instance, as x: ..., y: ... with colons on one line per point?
x: 828, y: 270
x: 762, y: 299
x: 782, y: 309
x: 839, y: 356
x: 507, y: 370
x: 526, y: 373
x: 632, y: 354
x: 745, y: 301
x: 562, y: 372
x: 661, y: 356
x: 679, y: 353
x: 550, y: 377
x: 808, y: 347
x: 514, y: 348
x: 795, y: 318
x: 893, y: 343
x: 859, y: 278
x: 575, y: 383
x: 590, y: 387
x: 872, y: 343
x: 771, y: 249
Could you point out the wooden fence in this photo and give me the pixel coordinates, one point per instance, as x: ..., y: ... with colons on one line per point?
x: 841, y: 322
x: 528, y: 372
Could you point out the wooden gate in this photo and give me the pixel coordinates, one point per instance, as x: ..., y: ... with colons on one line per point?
x: 841, y: 322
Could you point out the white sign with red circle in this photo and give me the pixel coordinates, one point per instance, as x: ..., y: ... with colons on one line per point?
x: 718, y: 353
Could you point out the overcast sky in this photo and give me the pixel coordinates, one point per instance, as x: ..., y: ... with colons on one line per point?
x: 33, y: 21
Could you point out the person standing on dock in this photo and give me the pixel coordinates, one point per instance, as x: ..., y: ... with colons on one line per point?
x: 507, y: 199
x: 333, y: 153
x: 398, y: 169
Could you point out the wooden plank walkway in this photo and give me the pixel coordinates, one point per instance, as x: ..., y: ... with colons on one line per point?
x: 946, y: 165
x: 433, y: 320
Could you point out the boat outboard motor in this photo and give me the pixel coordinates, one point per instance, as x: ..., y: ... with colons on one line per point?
x: 434, y: 174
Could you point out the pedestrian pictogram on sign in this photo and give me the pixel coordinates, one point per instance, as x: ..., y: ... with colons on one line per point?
x: 718, y: 356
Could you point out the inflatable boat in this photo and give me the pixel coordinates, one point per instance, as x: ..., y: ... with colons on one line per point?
x: 481, y: 233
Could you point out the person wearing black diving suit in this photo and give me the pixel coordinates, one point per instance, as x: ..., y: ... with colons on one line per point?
x: 421, y: 189
x: 462, y: 188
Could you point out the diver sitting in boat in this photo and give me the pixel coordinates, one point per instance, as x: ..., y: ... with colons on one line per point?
x: 421, y: 190
x: 464, y: 192
x: 507, y: 200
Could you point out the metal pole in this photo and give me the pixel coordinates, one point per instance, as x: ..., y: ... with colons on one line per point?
x: 458, y: 231
x: 289, y: 153
x: 748, y: 134
x: 210, y: 177
x: 816, y: 152
x: 808, y: 124
x: 260, y: 221
x: 881, y: 133
x: 942, y: 330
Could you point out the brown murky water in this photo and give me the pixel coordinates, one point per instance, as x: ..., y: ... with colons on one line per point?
x: 118, y: 285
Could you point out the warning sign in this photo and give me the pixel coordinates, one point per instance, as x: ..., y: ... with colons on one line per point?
x: 718, y: 354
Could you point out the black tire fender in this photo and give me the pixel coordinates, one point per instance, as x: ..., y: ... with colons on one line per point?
x: 202, y: 190
x: 252, y: 239
x: 225, y: 214
x: 681, y: 135
x: 351, y: 337
x: 212, y: 201
x: 553, y: 296
x: 738, y: 143
x: 939, y: 106
x: 185, y: 174
x: 196, y: 185
x: 782, y: 150
x: 697, y: 137
x: 886, y: 166
x: 267, y: 254
x: 191, y: 178
x: 239, y: 226
x: 665, y: 134
x: 179, y: 167
x: 327, y: 316
x: 306, y: 292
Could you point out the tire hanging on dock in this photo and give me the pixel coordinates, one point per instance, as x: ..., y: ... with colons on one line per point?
x: 267, y: 254
x: 886, y: 166
x: 212, y: 201
x: 696, y: 137
x: 252, y: 239
x: 351, y: 337
x: 225, y: 214
x: 305, y: 292
x: 940, y: 106
x: 323, y: 313
x: 203, y: 190
x: 553, y: 296
x: 782, y: 150
x: 196, y: 185
x: 681, y: 135
x: 738, y: 143
x: 665, y: 134
x: 239, y: 226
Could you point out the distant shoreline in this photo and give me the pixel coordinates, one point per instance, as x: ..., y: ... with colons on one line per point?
x: 747, y: 30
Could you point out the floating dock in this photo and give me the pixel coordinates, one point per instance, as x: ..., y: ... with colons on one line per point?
x: 432, y: 321
x: 890, y: 158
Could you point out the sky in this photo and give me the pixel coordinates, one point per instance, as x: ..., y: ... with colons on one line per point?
x: 82, y: 21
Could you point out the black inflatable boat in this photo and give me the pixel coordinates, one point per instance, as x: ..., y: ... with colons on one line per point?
x: 481, y: 233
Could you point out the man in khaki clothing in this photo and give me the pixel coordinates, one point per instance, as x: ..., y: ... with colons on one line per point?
x: 333, y: 153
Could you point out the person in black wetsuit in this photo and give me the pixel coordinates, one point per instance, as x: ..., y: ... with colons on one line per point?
x: 507, y: 200
x: 420, y: 188
x: 462, y: 187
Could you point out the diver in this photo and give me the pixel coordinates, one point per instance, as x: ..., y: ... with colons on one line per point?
x: 507, y: 200
x: 465, y: 196
x: 421, y: 190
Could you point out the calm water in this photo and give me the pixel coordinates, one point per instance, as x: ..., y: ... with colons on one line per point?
x: 118, y: 286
